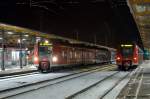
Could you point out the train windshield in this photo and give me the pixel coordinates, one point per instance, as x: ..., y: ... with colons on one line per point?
x: 127, y: 52
x: 44, y: 51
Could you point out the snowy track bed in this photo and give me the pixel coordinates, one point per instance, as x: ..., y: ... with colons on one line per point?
x: 94, y: 85
x: 66, y: 88
x: 102, y: 88
x: 26, y: 84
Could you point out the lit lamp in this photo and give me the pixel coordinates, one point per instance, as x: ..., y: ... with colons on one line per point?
x: 46, y: 41
x: 19, y: 41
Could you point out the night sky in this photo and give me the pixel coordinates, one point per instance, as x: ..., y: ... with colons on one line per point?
x: 109, y: 21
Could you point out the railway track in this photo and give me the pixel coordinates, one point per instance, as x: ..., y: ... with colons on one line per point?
x: 27, y: 87
x: 99, y: 90
x: 95, y: 88
x: 18, y: 75
x: 139, y: 85
x: 132, y: 89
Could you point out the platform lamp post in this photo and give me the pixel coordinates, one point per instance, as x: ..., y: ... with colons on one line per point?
x: 20, y: 52
x: 3, y: 50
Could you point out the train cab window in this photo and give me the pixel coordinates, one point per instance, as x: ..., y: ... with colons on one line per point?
x: 43, y: 49
x: 126, y: 52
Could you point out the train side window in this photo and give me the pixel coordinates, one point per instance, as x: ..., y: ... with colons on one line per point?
x: 75, y: 54
x: 64, y: 54
x: 71, y: 54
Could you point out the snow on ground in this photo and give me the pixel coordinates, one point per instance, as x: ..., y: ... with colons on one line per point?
x: 24, y: 80
x: 115, y: 92
x: 99, y: 90
x: 64, y: 89
x: 145, y: 64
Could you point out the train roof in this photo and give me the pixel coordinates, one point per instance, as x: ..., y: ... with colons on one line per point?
x: 26, y: 31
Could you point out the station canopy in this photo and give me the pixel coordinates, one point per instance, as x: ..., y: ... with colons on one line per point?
x: 140, y: 10
x: 13, y: 34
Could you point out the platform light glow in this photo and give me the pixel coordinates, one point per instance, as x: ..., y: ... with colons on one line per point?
x: 26, y: 35
x: 23, y: 39
x: 19, y: 41
x: 9, y: 32
x: 46, y: 41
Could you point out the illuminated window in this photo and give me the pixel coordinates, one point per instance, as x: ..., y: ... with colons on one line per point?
x: 64, y: 54
x: 140, y: 8
x: 71, y: 54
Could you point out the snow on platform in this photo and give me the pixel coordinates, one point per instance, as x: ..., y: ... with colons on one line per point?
x: 25, y: 80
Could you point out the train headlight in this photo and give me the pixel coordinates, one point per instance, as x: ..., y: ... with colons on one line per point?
x: 118, y: 58
x: 54, y: 59
x: 135, y: 58
x: 35, y: 59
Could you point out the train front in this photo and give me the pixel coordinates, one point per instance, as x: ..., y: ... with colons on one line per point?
x: 127, y: 56
x: 43, y: 56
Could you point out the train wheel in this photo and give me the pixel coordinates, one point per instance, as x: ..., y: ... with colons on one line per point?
x: 44, y: 66
x: 126, y: 68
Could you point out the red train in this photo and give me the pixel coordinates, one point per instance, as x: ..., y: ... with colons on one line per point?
x: 58, y: 53
x: 128, y: 55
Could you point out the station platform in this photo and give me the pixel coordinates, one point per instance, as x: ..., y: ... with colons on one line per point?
x: 139, y: 85
x: 17, y: 71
